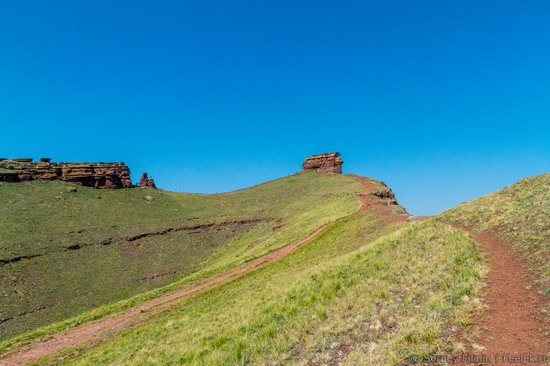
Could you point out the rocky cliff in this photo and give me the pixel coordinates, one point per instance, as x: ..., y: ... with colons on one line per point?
x: 96, y: 175
x: 330, y: 162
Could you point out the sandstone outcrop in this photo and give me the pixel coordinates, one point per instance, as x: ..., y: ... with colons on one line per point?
x: 146, y: 181
x: 329, y: 162
x: 96, y: 175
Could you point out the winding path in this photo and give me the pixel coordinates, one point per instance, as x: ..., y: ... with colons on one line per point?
x: 93, y: 332
x: 512, y: 324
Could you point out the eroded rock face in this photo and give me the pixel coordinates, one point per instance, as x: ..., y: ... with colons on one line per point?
x: 146, y: 182
x: 330, y: 162
x: 96, y: 175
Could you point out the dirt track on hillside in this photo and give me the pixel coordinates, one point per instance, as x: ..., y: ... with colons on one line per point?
x: 386, y: 208
x: 91, y: 333
x: 94, y: 332
x: 512, y: 324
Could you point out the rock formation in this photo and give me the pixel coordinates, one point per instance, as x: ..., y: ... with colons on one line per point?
x: 329, y: 162
x: 146, y: 182
x: 96, y: 175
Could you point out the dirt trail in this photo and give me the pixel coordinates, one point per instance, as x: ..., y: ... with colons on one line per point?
x: 512, y: 324
x: 94, y: 332
x: 376, y: 196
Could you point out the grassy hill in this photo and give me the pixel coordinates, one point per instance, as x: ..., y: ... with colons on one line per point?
x: 365, y: 291
x: 362, y: 292
x: 519, y: 215
x: 63, y: 253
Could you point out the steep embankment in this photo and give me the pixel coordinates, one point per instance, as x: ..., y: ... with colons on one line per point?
x: 513, y: 228
x: 366, y: 290
x: 63, y: 253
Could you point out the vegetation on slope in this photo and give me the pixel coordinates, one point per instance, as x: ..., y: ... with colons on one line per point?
x: 517, y: 215
x: 362, y: 292
x: 62, y: 253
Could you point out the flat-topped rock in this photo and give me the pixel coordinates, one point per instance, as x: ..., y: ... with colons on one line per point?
x: 97, y: 175
x: 329, y: 162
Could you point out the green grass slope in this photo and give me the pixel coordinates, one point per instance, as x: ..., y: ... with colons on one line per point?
x: 361, y: 293
x: 518, y: 215
x: 63, y: 253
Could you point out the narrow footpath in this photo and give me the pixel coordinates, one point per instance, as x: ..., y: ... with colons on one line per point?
x: 512, y: 330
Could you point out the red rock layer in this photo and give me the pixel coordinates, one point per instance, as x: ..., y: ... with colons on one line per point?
x: 330, y: 162
x: 146, y: 182
x: 96, y: 175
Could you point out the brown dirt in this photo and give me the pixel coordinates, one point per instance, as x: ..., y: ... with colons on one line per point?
x: 386, y: 207
x: 512, y: 324
x: 91, y: 333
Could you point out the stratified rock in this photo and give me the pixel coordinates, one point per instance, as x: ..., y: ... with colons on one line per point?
x: 9, y: 177
x: 146, y: 182
x: 328, y: 162
x: 96, y: 175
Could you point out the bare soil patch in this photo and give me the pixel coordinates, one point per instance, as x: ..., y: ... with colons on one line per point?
x: 378, y: 197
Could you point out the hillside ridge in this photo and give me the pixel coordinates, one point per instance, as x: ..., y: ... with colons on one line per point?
x: 375, y: 197
x: 244, y: 234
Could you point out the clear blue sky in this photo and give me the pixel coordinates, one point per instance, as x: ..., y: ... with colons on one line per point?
x: 444, y: 100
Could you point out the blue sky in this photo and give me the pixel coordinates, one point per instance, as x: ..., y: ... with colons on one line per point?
x: 443, y: 100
